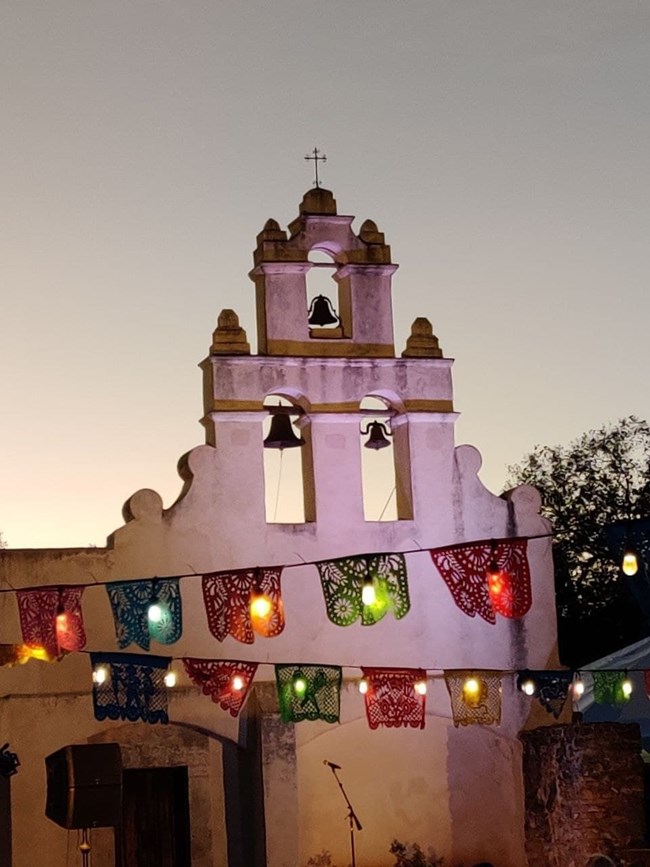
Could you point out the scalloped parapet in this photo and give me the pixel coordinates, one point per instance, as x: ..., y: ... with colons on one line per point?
x: 361, y: 270
x: 422, y: 342
x: 318, y: 210
x: 145, y: 505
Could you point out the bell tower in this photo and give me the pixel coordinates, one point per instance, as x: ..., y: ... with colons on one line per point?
x: 366, y: 435
x: 361, y: 268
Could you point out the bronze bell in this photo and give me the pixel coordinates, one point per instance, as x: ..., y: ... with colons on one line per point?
x: 378, y: 434
x: 281, y: 435
x: 321, y: 312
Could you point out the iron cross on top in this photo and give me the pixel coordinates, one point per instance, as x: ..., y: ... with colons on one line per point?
x: 317, y: 157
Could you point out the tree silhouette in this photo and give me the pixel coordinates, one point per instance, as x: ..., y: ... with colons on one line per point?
x: 598, y: 479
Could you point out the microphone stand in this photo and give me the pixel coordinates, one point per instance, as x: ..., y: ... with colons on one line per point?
x: 84, y: 847
x: 353, y: 819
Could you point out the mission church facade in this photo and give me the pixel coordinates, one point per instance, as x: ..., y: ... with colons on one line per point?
x: 253, y: 785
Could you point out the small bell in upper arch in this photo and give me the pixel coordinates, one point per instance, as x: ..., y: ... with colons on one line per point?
x: 378, y: 434
x: 281, y: 435
x: 321, y: 312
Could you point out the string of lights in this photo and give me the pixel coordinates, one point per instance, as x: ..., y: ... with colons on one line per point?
x: 193, y: 574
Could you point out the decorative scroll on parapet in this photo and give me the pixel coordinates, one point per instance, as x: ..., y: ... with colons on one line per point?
x: 145, y: 505
x: 229, y: 338
x: 143, y: 515
x: 422, y: 342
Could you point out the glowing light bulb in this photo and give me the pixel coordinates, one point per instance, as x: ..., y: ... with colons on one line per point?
x: 495, y: 583
x: 170, y: 678
x: 630, y: 564
x: 99, y: 674
x: 363, y: 686
x: 368, y: 594
x: 260, y: 606
x: 626, y: 687
x: 528, y: 687
x: 299, y: 684
x: 493, y: 570
x: 420, y: 687
x: 238, y: 683
x: 62, y: 627
x: 155, y: 612
x: 578, y: 688
x: 474, y: 691
x: 37, y: 652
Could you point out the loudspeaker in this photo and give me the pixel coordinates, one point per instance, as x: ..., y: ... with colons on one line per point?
x: 84, y: 786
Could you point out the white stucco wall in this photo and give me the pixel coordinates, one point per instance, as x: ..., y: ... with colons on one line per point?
x: 458, y: 791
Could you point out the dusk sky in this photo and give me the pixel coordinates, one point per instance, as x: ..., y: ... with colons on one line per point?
x: 501, y: 146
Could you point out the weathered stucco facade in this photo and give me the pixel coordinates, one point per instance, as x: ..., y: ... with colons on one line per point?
x: 459, y: 791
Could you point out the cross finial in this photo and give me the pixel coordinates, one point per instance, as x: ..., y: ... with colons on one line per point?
x: 317, y: 157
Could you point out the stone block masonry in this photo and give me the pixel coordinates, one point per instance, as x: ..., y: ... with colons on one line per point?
x: 584, y: 793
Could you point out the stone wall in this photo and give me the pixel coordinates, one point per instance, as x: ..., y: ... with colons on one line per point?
x: 584, y: 792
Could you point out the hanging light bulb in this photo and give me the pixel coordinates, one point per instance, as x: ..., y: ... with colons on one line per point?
x: 578, y: 687
x: 420, y: 687
x: 626, y: 687
x: 363, y: 685
x: 155, y: 612
x: 630, y: 562
x: 474, y: 691
x: 528, y: 686
x: 368, y: 593
x: 238, y: 682
x: 494, y: 574
x: 299, y: 683
x: 61, y: 623
x: 100, y: 674
x: 495, y: 581
x: 170, y: 678
x: 260, y: 605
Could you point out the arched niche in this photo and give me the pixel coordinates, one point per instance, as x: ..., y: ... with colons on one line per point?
x: 288, y: 471
x: 322, y: 283
x: 385, y: 471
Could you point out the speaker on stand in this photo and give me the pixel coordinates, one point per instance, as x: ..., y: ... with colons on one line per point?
x: 84, y: 789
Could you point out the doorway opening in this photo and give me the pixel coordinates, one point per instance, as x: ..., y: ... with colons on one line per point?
x: 155, y: 828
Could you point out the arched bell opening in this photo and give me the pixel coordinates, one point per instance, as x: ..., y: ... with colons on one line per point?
x: 326, y: 310
x: 385, y: 463
x: 288, y: 465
